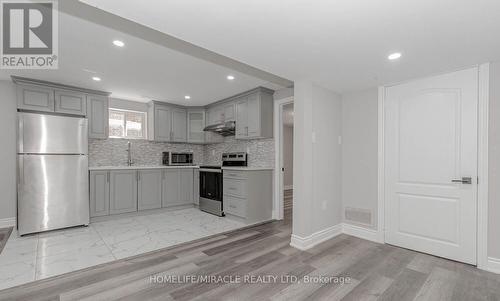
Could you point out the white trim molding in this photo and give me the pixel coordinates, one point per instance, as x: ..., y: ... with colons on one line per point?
x: 493, y: 265
x: 305, y: 243
x: 7, y: 222
x: 381, y: 166
x: 483, y: 262
x: 278, y: 211
x: 361, y: 232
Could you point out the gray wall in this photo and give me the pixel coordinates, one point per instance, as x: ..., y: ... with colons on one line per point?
x: 8, y: 150
x: 494, y: 163
x: 288, y: 155
x: 317, y: 162
x: 359, y: 157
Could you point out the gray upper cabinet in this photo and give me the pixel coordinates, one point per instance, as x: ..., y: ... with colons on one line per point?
x: 229, y: 112
x: 70, y: 102
x: 149, y: 189
x: 99, y: 193
x: 160, y: 122
x: 215, y: 115
x: 196, y: 124
x: 98, y: 112
x: 42, y: 96
x: 242, y: 118
x: 179, y: 125
x: 35, y: 98
x: 123, y: 191
x: 254, y: 115
x: 167, y: 123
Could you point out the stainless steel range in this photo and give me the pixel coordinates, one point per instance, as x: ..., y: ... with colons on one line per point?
x: 211, y: 196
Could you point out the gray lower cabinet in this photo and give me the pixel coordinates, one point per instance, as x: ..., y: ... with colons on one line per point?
x: 178, y: 187
x: 99, y: 193
x: 248, y: 194
x: 35, y: 98
x: 186, y: 182
x: 170, y: 195
x: 123, y: 191
x: 97, y: 113
x: 149, y: 189
x: 70, y: 102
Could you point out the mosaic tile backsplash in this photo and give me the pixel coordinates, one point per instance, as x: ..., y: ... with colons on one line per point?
x: 113, y: 152
x: 260, y: 152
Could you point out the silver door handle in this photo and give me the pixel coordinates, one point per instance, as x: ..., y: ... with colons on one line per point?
x: 464, y: 180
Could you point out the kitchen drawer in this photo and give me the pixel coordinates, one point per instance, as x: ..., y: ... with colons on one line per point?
x: 234, y: 174
x: 235, y: 187
x: 235, y: 206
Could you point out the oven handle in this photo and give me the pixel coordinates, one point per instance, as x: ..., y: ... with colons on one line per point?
x: 211, y: 170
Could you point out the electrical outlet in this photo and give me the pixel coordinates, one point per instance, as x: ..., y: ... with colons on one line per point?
x: 323, y: 205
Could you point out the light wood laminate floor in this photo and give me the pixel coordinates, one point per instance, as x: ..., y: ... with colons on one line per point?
x: 377, y: 272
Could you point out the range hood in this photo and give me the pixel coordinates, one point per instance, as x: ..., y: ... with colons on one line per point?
x: 225, y: 129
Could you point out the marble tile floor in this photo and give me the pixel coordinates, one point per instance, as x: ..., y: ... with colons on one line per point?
x: 29, y: 258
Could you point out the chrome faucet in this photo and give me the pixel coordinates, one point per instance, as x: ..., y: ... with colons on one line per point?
x: 129, y: 154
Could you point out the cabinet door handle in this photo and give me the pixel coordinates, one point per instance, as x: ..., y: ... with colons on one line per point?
x: 246, y: 131
x: 138, y: 176
x: 108, y: 176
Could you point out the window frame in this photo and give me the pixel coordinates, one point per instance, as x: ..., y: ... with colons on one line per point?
x: 123, y: 111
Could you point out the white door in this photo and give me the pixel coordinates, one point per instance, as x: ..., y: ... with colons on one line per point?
x: 430, y: 141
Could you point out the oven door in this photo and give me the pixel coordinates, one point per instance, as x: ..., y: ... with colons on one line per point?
x: 211, y: 184
x: 211, y: 191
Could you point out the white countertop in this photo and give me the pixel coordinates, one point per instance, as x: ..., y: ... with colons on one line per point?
x: 246, y: 168
x: 140, y: 167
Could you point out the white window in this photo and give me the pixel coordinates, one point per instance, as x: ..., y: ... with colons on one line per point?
x: 127, y: 124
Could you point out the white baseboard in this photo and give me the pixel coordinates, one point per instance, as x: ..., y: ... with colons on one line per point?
x: 361, y: 232
x: 305, y: 243
x: 493, y: 265
x: 7, y: 222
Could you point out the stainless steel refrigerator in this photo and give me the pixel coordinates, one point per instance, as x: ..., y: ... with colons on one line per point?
x: 53, y: 188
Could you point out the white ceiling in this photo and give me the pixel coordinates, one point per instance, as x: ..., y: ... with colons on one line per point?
x: 140, y: 71
x: 341, y: 45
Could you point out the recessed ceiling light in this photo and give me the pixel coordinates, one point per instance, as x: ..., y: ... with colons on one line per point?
x: 118, y: 43
x: 187, y: 97
x: 394, y: 56
x: 97, y: 79
x: 230, y: 77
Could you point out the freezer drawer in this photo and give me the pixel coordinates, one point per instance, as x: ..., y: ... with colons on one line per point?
x: 53, y: 192
x: 49, y: 134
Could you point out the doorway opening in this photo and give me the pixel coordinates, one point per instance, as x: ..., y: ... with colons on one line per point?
x: 284, y: 125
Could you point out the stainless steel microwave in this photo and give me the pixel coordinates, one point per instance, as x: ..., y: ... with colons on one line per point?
x: 170, y: 158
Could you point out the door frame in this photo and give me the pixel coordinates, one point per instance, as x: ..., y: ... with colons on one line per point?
x: 482, y: 187
x: 278, y: 203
